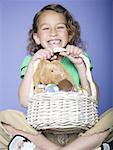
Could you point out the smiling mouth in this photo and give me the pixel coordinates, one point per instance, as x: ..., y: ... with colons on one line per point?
x: 54, y: 42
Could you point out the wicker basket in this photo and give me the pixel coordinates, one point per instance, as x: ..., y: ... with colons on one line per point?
x: 62, y: 111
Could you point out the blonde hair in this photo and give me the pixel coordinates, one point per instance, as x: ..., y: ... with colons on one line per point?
x: 72, y: 25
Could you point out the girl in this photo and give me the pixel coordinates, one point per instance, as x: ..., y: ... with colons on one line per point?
x: 53, y: 27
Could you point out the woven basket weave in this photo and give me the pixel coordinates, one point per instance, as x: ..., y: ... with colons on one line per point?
x: 62, y: 110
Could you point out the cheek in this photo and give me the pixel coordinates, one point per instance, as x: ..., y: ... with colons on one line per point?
x: 65, y: 34
x: 43, y: 39
x: 65, y: 37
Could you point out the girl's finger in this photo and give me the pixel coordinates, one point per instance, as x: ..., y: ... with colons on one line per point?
x: 50, y: 51
x: 68, y: 48
x: 63, y: 54
x: 79, y: 51
x: 54, y: 57
x: 46, y: 54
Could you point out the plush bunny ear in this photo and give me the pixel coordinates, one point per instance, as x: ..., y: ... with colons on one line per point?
x: 36, y: 76
x: 45, y: 72
x: 62, y: 71
x: 40, y: 74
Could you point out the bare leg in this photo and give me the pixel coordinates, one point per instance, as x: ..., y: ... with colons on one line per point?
x: 1, y: 144
x: 87, y: 142
x: 39, y: 140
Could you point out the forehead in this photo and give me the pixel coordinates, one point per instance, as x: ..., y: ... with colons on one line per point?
x: 49, y: 16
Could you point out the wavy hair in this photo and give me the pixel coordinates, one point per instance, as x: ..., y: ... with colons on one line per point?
x: 72, y: 25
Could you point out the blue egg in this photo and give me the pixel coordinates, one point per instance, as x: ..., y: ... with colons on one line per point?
x: 52, y: 88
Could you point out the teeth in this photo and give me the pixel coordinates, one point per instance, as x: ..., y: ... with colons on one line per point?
x: 54, y: 41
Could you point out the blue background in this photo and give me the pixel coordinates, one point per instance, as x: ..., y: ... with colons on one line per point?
x: 95, y: 18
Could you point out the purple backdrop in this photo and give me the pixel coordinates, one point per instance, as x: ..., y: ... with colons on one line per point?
x: 95, y: 17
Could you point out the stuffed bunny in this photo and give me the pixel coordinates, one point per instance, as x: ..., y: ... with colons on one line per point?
x: 52, y: 72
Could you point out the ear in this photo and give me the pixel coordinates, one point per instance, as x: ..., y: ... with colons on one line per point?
x: 36, y: 38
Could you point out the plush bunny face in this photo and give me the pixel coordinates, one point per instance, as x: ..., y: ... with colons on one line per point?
x: 50, y: 72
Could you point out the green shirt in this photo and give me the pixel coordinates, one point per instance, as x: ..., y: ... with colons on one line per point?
x: 69, y: 66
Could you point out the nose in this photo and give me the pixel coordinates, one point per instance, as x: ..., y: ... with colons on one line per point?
x: 53, y: 32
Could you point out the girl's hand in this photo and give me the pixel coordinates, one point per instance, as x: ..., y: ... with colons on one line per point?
x: 73, y: 53
x: 42, y: 54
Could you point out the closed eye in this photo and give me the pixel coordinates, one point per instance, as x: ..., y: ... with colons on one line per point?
x: 60, y: 27
x: 46, y: 28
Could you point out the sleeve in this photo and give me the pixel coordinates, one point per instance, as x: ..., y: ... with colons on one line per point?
x: 24, y: 65
x: 87, y: 55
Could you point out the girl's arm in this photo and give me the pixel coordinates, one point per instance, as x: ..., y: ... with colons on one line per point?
x: 73, y: 53
x: 26, y: 86
x: 83, y: 78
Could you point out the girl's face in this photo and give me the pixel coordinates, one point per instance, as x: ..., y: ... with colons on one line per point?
x: 52, y: 31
